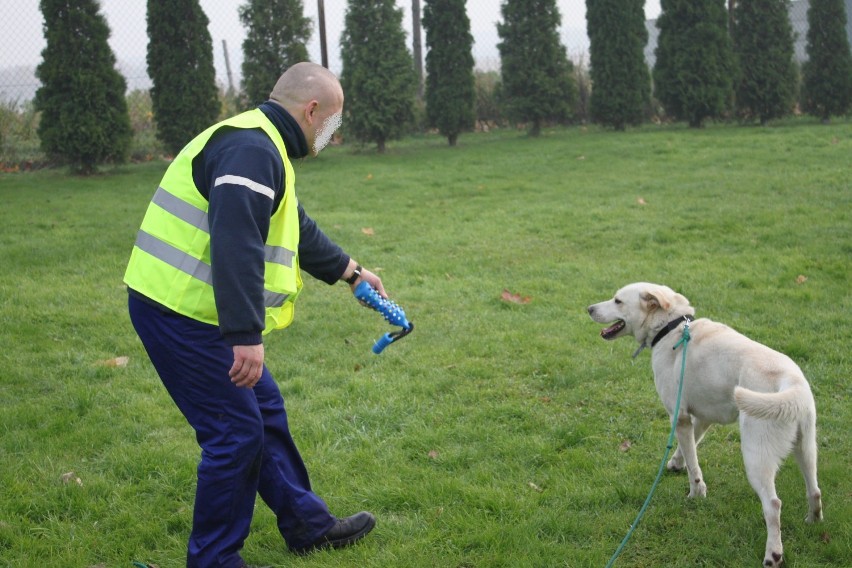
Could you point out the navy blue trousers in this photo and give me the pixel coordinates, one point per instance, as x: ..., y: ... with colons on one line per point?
x: 246, y: 446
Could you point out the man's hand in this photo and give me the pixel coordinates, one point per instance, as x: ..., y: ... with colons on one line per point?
x: 373, y: 280
x: 248, y: 365
x: 366, y: 275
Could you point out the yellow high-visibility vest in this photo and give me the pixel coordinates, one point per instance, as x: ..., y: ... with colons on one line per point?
x: 170, y: 261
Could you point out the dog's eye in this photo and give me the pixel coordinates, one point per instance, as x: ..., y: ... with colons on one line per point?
x: 617, y: 301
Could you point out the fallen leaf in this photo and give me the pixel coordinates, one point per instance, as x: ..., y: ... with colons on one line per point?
x: 801, y: 279
x: 507, y: 296
x: 581, y: 157
x: 71, y: 477
x: 625, y: 446
x: 641, y: 201
x: 368, y: 231
x: 369, y: 176
x: 114, y: 362
x: 433, y: 454
x: 535, y: 487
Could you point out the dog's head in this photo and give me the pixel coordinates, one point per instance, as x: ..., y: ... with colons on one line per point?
x: 640, y: 310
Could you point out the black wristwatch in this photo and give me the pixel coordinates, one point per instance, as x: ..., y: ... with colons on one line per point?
x: 356, y: 274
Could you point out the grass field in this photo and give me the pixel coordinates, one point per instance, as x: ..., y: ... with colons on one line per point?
x: 499, y: 434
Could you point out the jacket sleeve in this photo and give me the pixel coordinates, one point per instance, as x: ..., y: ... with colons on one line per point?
x: 243, y: 174
x: 319, y: 256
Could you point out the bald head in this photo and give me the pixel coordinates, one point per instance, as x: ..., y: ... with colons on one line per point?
x: 314, y: 98
x: 304, y: 82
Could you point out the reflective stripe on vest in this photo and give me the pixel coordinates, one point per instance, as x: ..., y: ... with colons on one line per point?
x: 199, y: 269
x: 198, y: 219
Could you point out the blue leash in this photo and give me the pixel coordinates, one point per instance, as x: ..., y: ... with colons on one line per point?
x: 684, y: 340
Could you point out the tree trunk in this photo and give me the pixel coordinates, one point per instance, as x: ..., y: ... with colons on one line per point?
x: 535, y: 131
x: 417, y: 46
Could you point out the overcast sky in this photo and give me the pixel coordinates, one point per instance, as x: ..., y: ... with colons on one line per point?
x: 21, y: 36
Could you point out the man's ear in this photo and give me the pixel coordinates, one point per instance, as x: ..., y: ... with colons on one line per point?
x: 310, y: 108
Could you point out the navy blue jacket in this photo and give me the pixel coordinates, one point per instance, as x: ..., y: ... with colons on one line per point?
x: 239, y: 221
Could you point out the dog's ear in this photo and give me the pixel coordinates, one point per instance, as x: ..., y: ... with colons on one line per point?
x: 657, y: 298
x: 680, y: 300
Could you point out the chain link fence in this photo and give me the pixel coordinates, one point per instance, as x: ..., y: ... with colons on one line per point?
x: 22, y: 39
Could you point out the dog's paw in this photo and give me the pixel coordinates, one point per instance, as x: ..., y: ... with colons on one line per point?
x: 697, y: 488
x: 814, y: 508
x: 774, y: 560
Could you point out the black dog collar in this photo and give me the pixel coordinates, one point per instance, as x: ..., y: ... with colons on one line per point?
x: 670, y: 326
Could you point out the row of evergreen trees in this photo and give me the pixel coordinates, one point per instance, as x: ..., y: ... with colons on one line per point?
x: 703, y: 69
x: 711, y: 62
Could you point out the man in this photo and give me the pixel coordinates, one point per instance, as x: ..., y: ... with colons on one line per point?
x: 216, y: 264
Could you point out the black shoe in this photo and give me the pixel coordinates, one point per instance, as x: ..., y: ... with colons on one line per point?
x: 345, y: 532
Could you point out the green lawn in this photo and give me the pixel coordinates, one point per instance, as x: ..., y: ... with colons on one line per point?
x: 493, y: 435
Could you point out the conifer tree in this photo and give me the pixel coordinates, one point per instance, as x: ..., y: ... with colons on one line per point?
x: 184, y: 97
x: 84, y: 119
x: 450, y: 92
x: 693, y: 74
x: 766, y: 72
x: 276, y: 34
x: 621, y: 84
x: 378, y: 72
x: 827, y: 75
x: 537, y: 76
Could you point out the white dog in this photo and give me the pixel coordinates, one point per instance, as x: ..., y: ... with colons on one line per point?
x: 727, y: 375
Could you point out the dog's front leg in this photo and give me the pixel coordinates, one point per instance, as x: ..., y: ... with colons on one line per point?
x: 687, y: 447
x: 699, y: 428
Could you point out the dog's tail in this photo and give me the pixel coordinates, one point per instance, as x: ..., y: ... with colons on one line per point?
x: 789, y: 405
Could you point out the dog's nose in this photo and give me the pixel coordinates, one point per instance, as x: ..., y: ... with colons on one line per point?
x: 591, y: 310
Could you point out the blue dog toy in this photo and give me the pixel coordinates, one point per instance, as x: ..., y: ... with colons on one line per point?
x: 391, y: 312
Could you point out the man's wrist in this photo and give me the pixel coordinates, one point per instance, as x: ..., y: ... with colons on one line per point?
x: 243, y: 338
x: 354, y: 275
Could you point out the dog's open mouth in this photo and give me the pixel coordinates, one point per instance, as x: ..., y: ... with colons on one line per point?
x: 612, y: 331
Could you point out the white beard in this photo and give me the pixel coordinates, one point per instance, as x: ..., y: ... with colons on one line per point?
x: 326, y: 131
